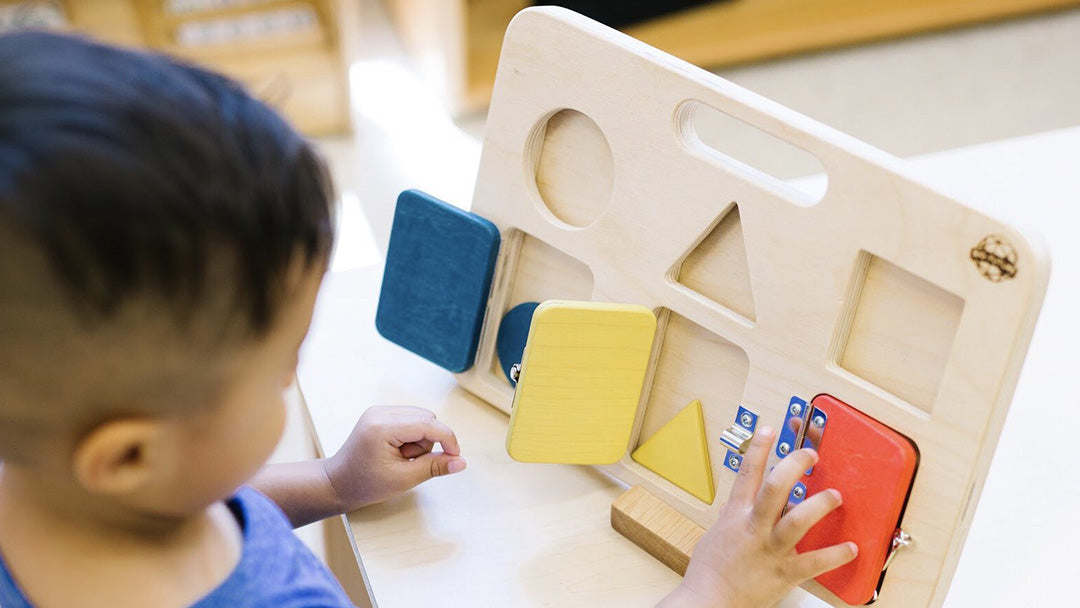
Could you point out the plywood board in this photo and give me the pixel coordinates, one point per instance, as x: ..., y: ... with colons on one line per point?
x: 899, y: 300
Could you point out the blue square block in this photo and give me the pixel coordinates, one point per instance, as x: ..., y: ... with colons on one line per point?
x: 437, y: 279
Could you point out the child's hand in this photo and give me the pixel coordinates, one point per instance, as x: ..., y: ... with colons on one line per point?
x: 389, y: 452
x: 747, y: 559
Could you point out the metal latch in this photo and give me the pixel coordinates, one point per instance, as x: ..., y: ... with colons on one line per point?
x: 804, y: 427
x: 515, y: 374
x: 900, y: 540
x: 737, y: 437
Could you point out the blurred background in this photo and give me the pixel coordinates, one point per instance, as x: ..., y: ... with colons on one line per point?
x: 395, y: 91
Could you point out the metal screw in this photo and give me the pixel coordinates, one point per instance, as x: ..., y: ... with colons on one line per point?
x: 784, y: 449
x: 796, y: 409
x: 746, y: 419
x: 819, y: 421
x: 733, y: 462
x: 798, y: 492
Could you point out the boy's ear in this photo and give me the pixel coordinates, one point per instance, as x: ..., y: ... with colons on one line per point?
x: 119, y: 456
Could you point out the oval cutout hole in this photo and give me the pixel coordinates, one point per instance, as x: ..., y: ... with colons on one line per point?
x: 575, y: 169
x: 719, y: 135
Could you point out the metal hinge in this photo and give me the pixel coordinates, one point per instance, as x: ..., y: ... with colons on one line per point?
x: 900, y: 540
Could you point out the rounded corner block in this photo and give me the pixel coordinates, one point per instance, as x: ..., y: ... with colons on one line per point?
x: 874, y: 467
x: 581, y: 378
x: 438, y: 274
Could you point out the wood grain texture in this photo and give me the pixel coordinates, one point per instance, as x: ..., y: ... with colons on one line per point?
x: 898, y: 318
x: 580, y: 383
x: 804, y: 261
x: 574, y: 171
x: 722, y: 252
x: 439, y: 266
x: 694, y: 364
x: 656, y: 527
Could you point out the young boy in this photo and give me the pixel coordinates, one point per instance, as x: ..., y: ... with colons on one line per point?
x: 162, y: 240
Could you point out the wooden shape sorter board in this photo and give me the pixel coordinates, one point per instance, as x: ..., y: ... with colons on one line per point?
x: 898, y: 301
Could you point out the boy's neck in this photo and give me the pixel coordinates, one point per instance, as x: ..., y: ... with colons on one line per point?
x: 32, y: 497
x: 126, y: 557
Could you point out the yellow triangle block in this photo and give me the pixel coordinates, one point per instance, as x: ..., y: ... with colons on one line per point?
x: 679, y: 452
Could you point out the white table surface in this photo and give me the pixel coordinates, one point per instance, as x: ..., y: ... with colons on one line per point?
x: 505, y: 533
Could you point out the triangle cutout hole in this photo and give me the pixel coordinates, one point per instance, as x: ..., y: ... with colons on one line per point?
x: 717, y: 268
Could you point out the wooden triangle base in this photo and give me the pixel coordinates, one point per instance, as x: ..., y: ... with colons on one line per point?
x: 656, y: 527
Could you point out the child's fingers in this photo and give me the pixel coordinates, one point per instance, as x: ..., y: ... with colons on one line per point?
x: 798, y: 521
x: 774, y: 491
x: 819, y: 561
x: 419, y: 448
x: 748, y: 481
x: 398, y: 411
x: 417, y: 430
x: 435, y: 464
x: 414, y: 410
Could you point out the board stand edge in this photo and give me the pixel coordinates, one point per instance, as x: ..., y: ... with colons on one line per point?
x: 658, y: 528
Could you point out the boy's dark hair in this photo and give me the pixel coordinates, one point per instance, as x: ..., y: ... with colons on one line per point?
x: 138, y: 175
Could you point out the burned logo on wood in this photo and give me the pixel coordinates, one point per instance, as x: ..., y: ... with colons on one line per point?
x: 995, y: 258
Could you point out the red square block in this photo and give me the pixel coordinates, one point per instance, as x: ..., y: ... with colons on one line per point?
x: 873, y: 467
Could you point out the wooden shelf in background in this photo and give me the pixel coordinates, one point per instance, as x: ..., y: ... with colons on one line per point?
x: 459, y: 40
x: 299, y: 71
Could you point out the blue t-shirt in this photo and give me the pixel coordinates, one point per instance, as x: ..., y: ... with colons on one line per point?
x: 276, y: 570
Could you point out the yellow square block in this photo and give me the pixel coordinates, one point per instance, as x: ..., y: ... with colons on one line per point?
x: 580, y: 383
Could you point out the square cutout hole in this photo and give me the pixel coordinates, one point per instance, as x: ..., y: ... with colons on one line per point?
x: 692, y: 364
x: 541, y: 272
x: 900, y: 331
